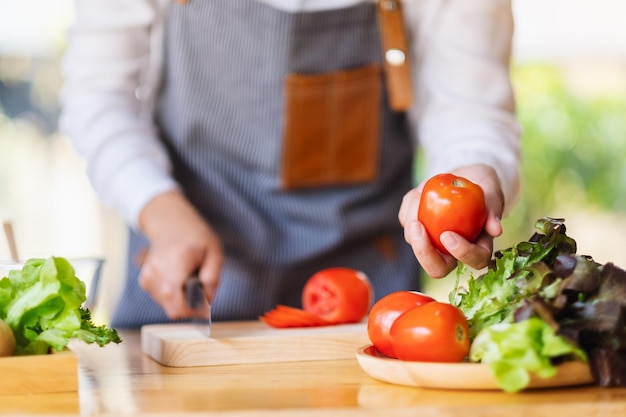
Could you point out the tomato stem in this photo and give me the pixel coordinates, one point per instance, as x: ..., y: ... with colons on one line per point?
x: 457, y: 182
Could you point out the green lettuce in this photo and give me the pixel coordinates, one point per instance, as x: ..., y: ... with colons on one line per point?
x: 494, y: 296
x: 514, y: 350
x: 42, y: 303
x: 541, y: 288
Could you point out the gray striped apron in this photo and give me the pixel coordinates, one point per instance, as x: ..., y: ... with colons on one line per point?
x: 221, y: 117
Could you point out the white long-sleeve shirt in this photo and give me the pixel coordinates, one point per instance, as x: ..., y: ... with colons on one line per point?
x: 464, y: 110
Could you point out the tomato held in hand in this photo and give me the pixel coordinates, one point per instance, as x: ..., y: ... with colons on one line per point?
x: 385, y: 311
x: 338, y: 295
x: 453, y: 203
x: 433, y: 332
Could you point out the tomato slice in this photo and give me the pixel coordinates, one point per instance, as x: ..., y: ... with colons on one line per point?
x: 284, y: 316
x: 338, y: 295
x: 276, y: 321
x: 302, y: 315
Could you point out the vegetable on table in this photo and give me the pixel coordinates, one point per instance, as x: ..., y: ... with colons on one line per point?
x: 514, y: 350
x: 42, y: 304
x: 7, y: 340
x: 433, y: 332
x: 331, y: 296
x: 338, y: 295
x: 559, y: 305
x: 411, y: 326
x: 385, y: 311
x: 285, y: 316
x: 452, y: 203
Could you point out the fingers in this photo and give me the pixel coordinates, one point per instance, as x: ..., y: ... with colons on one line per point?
x: 165, y: 270
x: 210, y: 271
x: 434, y: 263
x: 493, y: 225
x: 181, y: 243
x: 409, y: 207
x: 486, y: 177
x: 476, y: 255
x: 164, y: 283
x: 437, y: 265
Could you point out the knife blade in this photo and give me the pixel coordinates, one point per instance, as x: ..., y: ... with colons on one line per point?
x: 196, y: 301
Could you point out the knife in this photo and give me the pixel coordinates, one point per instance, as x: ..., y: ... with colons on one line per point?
x: 196, y: 300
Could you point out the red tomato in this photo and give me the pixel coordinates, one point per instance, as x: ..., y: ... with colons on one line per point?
x: 385, y: 311
x: 453, y: 203
x: 433, y: 332
x: 338, y: 295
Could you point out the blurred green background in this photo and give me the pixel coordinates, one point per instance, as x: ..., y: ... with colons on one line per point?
x: 570, y: 79
x: 573, y: 147
x: 573, y: 159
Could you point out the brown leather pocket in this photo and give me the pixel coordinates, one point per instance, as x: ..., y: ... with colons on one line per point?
x: 332, y: 128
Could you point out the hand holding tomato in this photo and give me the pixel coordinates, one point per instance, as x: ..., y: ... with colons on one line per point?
x: 475, y: 254
x: 452, y: 203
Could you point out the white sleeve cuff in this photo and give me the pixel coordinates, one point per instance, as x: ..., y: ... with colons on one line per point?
x: 135, y: 184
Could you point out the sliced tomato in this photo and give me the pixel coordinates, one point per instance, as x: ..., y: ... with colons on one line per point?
x: 338, y: 295
x: 284, y: 317
x: 331, y: 296
x: 303, y: 315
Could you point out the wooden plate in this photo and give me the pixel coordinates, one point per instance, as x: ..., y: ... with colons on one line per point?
x: 466, y: 376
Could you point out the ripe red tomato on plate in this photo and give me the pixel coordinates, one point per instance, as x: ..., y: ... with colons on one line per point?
x: 385, y: 311
x: 338, y: 295
x: 433, y: 332
x: 450, y: 202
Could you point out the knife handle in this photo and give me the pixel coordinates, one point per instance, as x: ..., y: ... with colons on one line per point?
x: 194, y: 295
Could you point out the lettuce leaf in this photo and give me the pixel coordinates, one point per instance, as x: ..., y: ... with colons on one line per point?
x: 494, y: 296
x: 42, y: 303
x: 581, y: 301
x: 588, y: 308
x: 515, y: 350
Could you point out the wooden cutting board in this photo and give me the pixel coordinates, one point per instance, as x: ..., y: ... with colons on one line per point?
x: 184, y: 345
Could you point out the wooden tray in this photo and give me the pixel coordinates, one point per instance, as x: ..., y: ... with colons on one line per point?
x: 39, y: 374
x: 185, y: 345
x: 465, y: 376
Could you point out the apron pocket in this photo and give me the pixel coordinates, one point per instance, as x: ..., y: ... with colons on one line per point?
x: 332, y: 128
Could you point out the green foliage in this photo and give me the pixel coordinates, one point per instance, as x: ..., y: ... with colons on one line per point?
x: 42, y: 303
x: 573, y: 148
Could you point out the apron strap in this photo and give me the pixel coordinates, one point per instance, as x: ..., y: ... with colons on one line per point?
x: 395, y: 54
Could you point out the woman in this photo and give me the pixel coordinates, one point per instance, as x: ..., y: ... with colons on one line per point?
x: 253, y: 141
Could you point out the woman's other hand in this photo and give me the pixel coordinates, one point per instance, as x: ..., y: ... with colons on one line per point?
x: 181, y: 242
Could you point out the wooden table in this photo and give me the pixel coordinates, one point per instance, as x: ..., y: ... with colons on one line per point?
x: 120, y: 379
